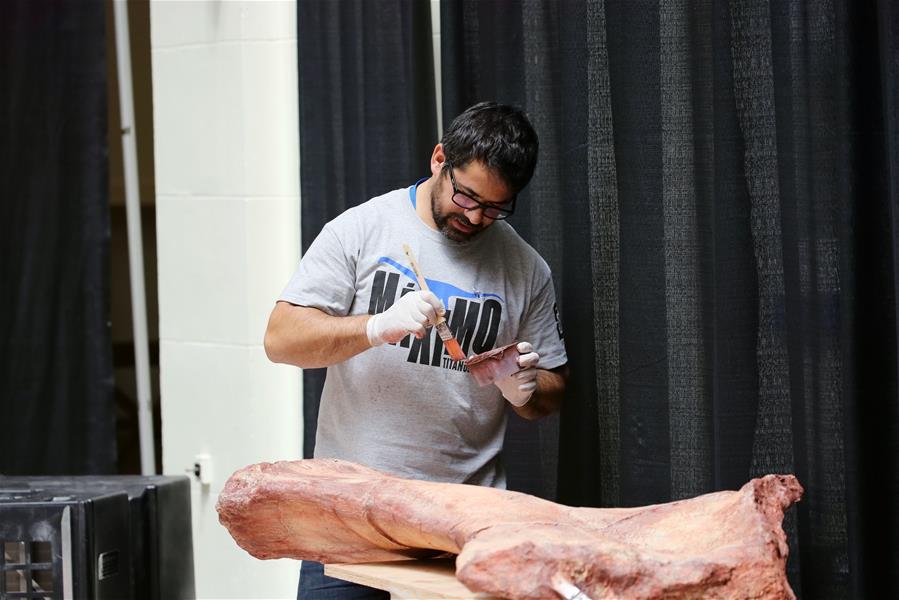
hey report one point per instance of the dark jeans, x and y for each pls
(315, 585)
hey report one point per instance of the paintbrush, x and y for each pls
(443, 330)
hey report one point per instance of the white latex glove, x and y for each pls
(410, 314)
(518, 387)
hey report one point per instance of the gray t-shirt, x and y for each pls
(406, 408)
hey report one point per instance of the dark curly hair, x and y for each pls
(498, 135)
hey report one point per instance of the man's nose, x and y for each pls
(474, 215)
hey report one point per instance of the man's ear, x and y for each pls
(437, 159)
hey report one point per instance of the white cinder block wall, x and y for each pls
(227, 184)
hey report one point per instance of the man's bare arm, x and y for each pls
(548, 396)
(309, 338)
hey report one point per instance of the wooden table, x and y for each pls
(408, 579)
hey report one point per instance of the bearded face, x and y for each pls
(451, 220)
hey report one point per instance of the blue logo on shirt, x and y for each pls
(474, 317)
(441, 289)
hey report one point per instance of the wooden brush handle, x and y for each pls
(421, 278)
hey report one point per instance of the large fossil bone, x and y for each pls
(726, 544)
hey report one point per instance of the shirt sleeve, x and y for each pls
(326, 276)
(543, 328)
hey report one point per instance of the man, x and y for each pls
(393, 399)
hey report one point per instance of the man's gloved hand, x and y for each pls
(410, 314)
(518, 387)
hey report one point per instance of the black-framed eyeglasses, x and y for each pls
(491, 211)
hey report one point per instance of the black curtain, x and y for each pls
(483, 58)
(725, 175)
(56, 387)
(367, 116)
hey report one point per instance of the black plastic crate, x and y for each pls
(106, 536)
(69, 545)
